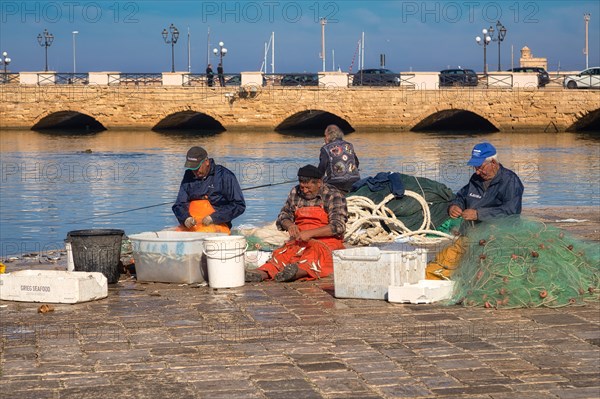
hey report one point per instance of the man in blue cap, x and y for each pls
(493, 191)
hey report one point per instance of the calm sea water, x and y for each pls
(52, 183)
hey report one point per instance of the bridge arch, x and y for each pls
(456, 119)
(590, 122)
(312, 121)
(71, 120)
(187, 119)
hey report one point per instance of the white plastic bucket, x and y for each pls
(225, 261)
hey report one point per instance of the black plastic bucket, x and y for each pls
(97, 250)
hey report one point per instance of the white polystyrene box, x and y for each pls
(425, 291)
(367, 272)
(170, 256)
(53, 286)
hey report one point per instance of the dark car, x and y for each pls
(458, 77)
(543, 77)
(300, 79)
(376, 77)
(236, 80)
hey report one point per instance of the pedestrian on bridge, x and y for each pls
(210, 76)
(220, 75)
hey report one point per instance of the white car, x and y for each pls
(587, 79)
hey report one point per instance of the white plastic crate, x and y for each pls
(53, 286)
(170, 256)
(367, 272)
(425, 291)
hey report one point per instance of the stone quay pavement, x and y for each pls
(293, 340)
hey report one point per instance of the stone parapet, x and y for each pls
(364, 108)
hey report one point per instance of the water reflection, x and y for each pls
(51, 183)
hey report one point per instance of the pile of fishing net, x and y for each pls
(517, 263)
(263, 238)
(407, 209)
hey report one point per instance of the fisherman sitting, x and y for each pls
(493, 191)
(315, 216)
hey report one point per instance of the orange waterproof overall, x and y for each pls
(199, 209)
(313, 256)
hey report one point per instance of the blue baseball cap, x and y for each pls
(480, 152)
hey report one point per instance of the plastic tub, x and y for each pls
(97, 250)
(170, 256)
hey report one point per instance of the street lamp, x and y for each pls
(45, 40)
(74, 68)
(221, 52)
(586, 19)
(174, 36)
(501, 35)
(5, 60)
(484, 42)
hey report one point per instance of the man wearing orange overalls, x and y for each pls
(209, 196)
(315, 216)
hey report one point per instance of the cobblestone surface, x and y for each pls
(292, 340)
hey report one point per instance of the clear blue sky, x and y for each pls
(426, 36)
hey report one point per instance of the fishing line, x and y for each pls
(171, 202)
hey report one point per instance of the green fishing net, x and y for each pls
(407, 209)
(517, 263)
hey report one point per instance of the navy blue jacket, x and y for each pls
(502, 197)
(220, 187)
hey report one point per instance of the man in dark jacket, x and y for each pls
(492, 191)
(338, 161)
(209, 196)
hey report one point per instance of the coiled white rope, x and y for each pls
(365, 219)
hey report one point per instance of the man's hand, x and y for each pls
(454, 211)
(293, 231)
(207, 221)
(469, 214)
(190, 222)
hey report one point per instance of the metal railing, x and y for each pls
(136, 79)
(9, 78)
(202, 79)
(413, 80)
(374, 79)
(71, 78)
(497, 80)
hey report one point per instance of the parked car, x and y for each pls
(458, 77)
(236, 80)
(543, 77)
(376, 77)
(300, 79)
(587, 79)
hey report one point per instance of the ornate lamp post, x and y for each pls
(45, 40)
(501, 35)
(221, 52)
(484, 42)
(5, 60)
(174, 36)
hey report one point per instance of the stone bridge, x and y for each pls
(95, 107)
